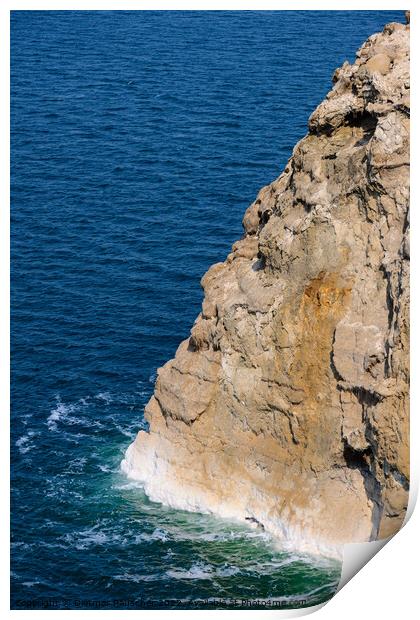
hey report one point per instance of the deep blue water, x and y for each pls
(138, 141)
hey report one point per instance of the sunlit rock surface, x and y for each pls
(288, 405)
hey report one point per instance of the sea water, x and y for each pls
(138, 141)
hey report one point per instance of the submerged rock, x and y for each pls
(288, 406)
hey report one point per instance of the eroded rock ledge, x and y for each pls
(288, 405)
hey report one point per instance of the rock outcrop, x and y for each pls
(288, 405)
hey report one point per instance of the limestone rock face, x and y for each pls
(288, 405)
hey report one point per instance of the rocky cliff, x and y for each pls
(288, 405)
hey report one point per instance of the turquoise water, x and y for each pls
(138, 141)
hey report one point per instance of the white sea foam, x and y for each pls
(152, 473)
(25, 418)
(275, 565)
(60, 492)
(122, 398)
(105, 468)
(196, 571)
(227, 571)
(53, 545)
(157, 534)
(182, 533)
(30, 584)
(201, 571)
(206, 571)
(76, 465)
(54, 417)
(128, 486)
(102, 533)
(153, 377)
(61, 413)
(229, 536)
(138, 578)
(129, 432)
(87, 538)
(24, 443)
(64, 413)
(105, 396)
(95, 538)
(20, 545)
